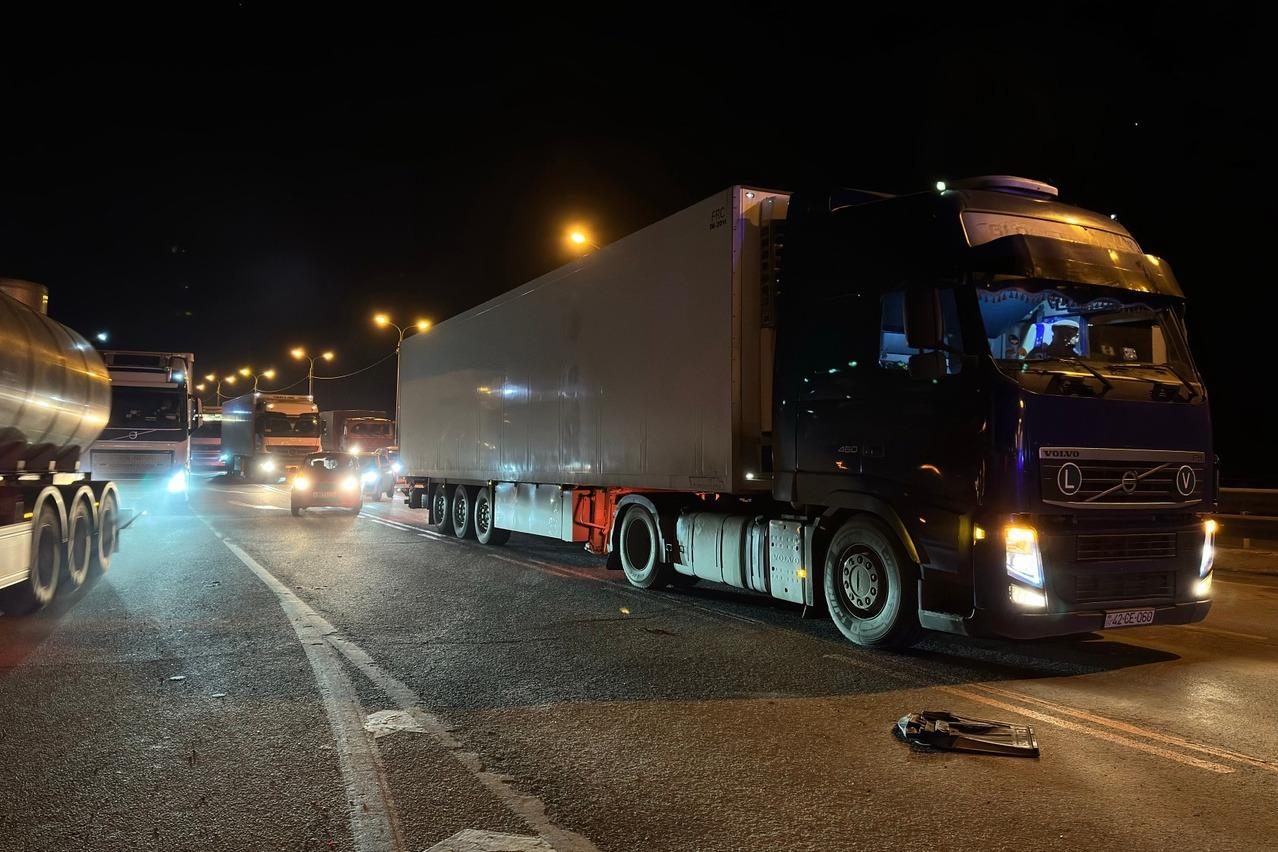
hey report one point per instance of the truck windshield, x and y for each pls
(147, 408)
(293, 425)
(208, 429)
(369, 428)
(1098, 334)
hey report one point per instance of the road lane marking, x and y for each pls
(257, 505)
(1170, 739)
(374, 827)
(1099, 733)
(372, 816)
(1225, 632)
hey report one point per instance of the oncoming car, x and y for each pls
(381, 472)
(327, 479)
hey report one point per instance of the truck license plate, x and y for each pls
(331, 494)
(1129, 618)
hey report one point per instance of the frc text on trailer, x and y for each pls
(923, 411)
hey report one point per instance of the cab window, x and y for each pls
(895, 352)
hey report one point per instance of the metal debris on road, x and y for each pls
(473, 840)
(943, 730)
(178, 677)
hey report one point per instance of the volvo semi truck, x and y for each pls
(58, 525)
(357, 431)
(972, 410)
(146, 444)
(264, 435)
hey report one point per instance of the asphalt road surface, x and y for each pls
(246, 680)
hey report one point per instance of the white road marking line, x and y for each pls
(257, 505)
(471, 840)
(386, 722)
(373, 824)
(1099, 733)
(1170, 739)
(1223, 632)
(319, 638)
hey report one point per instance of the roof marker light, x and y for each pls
(940, 186)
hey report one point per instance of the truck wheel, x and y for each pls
(871, 587)
(485, 532)
(79, 545)
(441, 510)
(640, 547)
(296, 510)
(463, 511)
(46, 566)
(106, 536)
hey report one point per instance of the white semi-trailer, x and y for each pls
(57, 524)
(971, 410)
(266, 434)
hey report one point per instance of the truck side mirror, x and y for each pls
(197, 413)
(923, 318)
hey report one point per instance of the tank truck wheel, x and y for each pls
(46, 566)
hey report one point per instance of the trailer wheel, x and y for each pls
(440, 510)
(46, 566)
(871, 587)
(485, 532)
(106, 537)
(79, 545)
(463, 514)
(640, 547)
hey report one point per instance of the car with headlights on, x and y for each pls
(382, 472)
(327, 479)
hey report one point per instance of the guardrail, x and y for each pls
(1248, 518)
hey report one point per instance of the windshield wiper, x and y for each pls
(1168, 367)
(1074, 362)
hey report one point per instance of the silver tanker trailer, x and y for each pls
(57, 524)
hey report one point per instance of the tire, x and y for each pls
(441, 505)
(639, 546)
(485, 532)
(107, 536)
(79, 556)
(463, 514)
(297, 511)
(871, 587)
(41, 583)
(355, 510)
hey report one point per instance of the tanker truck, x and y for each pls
(58, 525)
(970, 410)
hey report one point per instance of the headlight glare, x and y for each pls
(1209, 548)
(369, 476)
(177, 482)
(350, 483)
(301, 483)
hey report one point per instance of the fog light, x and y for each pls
(1024, 561)
(1029, 598)
(1202, 589)
(177, 482)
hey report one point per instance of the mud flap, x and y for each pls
(941, 729)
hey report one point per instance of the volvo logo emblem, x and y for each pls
(1069, 479)
(1186, 480)
(133, 436)
(1129, 481)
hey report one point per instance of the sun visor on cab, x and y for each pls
(1062, 260)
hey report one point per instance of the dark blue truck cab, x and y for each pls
(992, 390)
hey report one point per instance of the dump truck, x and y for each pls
(970, 410)
(58, 524)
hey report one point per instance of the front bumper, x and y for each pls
(309, 500)
(1043, 625)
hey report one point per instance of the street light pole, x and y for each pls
(300, 354)
(382, 321)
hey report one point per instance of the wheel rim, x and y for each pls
(460, 511)
(441, 505)
(636, 541)
(483, 514)
(862, 584)
(80, 553)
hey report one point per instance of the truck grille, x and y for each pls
(1113, 548)
(1095, 588)
(1099, 478)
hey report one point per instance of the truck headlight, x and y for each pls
(1024, 561)
(397, 467)
(177, 482)
(267, 466)
(350, 483)
(1026, 597)
(1209, 548)
(301, 483)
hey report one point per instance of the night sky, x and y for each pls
(241, 183)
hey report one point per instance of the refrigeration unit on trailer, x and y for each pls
(206, 441)
(970, 410)
(264, 435)
(57, 524)
(147, 442)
